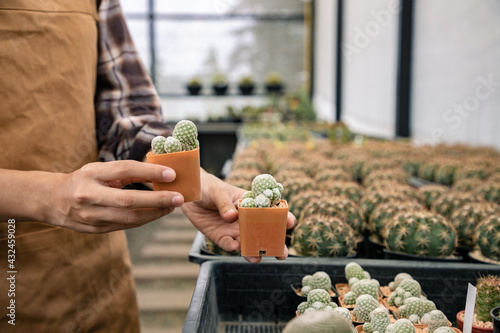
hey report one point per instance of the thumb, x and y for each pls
(226, 207)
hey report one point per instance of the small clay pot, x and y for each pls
(475, 328)
(187, 169)
(263, 230)
(495, 316)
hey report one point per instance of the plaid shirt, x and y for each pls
(128, 111)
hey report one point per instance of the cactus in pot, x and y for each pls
(447, 203)
(379, 320)
(434, 320)
(184, 138)
(365, 304)
(488, 296)
(319, 280)
(266, 192)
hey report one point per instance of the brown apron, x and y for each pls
(66, 281)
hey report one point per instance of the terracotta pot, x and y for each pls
(263, 230)
(187, 169)
(475, 328)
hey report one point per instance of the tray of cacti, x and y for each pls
(180, 151)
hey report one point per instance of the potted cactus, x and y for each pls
(219, 84)
(274, 83)
(262, 218)
(246, 85)
(487, 298)
(194, 86)
(181, 153)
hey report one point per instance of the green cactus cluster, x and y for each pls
(398, 279)
(401, 326)
(365, 304)
(318, 280)
(354, 270)
(406, 288)
(184, 138)
(265, 193)
(488, 296)
(487, 237)
(434, 320)
(379, 320)
(421, 233)
(317, 300)
(323, 236)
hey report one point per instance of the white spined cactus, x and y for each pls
(186, 132)
(172, 145)
(158, 145)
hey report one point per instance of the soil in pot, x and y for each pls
(477, 326)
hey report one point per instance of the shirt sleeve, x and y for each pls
(128, 110)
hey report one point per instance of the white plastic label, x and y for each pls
(469, 308)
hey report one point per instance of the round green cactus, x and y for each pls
(320, 280)
(403, 326)
(411, 286)
(421, 233)
(186, 132)
(432, 192)
(449, 202)
(379, 319)
(349, 298)
(434, 320)
(353, 269)
(158, 145)
(398, 279)
(466, 218)
(384, 213)
(371, 200)
(323, 236)
(319, 295)
(262, 201)
(172, 145)
(248, 203)
(350, 190)
(366, 287)
(487, 237)
(365, 304)
(490, 191)
(412, 305)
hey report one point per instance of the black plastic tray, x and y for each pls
(232, 293)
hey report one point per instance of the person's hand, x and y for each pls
(92, 200)
(216, 215)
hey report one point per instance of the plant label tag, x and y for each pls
(469, 308)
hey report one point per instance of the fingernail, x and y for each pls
(177, 200)
(168, 175)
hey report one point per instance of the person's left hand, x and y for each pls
(216, 215)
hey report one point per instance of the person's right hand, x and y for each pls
(92, 200)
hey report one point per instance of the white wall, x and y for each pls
(325, 29)
(456, 54)
(369, 53)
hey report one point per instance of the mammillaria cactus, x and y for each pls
(365, 304)
(412, 306)
(320, 322)
(432, 192)
(448, 202)
(379, 320)
(466, 218)
(401, 326)
(407, 288)
(398, 279)
(184, 138)
(323, 236)
(354, 270)
(434, 320)
(488, 296)
(488, 237)
(366, 287)
(421, 233)
(319, 280)
(266, 192)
